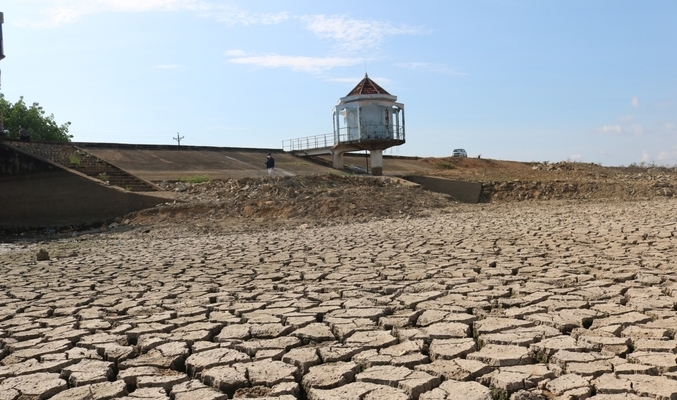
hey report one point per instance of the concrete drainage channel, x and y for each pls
(465, 192)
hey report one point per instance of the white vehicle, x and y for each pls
(459, 153)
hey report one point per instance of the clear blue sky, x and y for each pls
(584, 80)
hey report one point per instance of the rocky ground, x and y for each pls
(311, 199)
(519, 181)
(325, 199)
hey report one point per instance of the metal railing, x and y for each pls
(309, 143)
(329, 140)
(370, 134)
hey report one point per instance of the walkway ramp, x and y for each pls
(157, 163)
(326, 144)
(318, 145)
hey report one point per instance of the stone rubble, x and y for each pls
(505, 301)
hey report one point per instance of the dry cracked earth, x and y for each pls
(563, 300)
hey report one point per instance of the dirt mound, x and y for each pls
(312, 198)
(334, 198)
(518, 181)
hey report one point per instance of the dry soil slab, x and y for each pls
(531, 300)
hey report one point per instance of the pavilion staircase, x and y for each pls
(74, 158)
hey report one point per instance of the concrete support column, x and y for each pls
(337, 159)
(334, 123)
(376, 158)
(337, 127)
(359, 124)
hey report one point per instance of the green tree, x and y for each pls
(33, 118)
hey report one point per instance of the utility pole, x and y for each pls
(2, 50)
(177, 138)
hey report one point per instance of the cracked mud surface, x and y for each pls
(500, 301)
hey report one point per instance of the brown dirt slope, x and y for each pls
(333, 197)
(512, 180)
(312, 198)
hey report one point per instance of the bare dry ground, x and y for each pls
(368, 288)
(331, 198)
(512, 180)
(311, 199)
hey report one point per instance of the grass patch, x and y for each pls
(103, 176)
(74, 161)
(292, 163)
(195, 179)
(498, 394)
(445, 165)
(542, 356)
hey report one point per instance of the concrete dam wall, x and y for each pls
(36, 193)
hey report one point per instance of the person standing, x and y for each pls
(23, 134)
(270, 164)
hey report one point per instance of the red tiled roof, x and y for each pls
(367, 86)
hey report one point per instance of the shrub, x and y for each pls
(195, 179)
(445, 165)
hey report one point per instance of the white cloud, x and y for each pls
(167, 66)
(637, 129)
(423, 66)
(313, 65)
(645, 157)
(664, 105)
(627, 118)
(63, 12)
(668, 157)
(635, 102)
(355, 80)
(575, 158)
(145, 5)
(355, 34)
(240, 17)
(350, 34)
(236, 53)
(610, 129)
(344, 80)
(669, 126)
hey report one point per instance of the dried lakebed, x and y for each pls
(520, 301)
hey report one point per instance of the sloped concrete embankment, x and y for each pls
(71, 157)
(35, 193)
